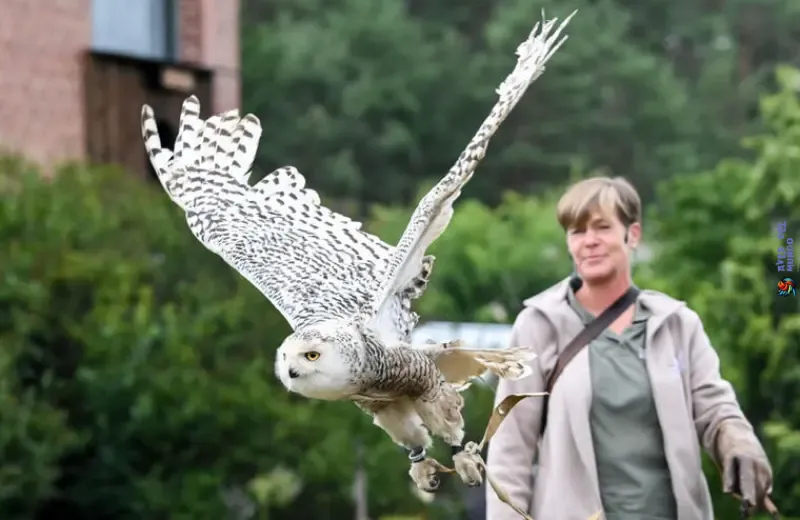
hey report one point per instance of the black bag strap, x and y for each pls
(590, 332)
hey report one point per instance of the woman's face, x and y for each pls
(599, 248)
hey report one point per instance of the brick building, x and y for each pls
(74, 73)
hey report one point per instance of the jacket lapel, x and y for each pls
(573, 393)
(578, 400)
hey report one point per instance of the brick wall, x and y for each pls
(190, 31)
(221, 51)
(209, 36)
(41, 72)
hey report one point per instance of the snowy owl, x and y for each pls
(346, 294)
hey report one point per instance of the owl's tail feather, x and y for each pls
(224, 143)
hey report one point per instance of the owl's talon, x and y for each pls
(423, 473)
(468, 465)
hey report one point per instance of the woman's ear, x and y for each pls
(633, 235)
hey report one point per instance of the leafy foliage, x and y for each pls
(369, 98)
(368, 93)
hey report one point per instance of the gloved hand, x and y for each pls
(745, 469)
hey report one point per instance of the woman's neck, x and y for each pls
(599, 296)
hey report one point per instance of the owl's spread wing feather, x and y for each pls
(460, 365)
(313, 264)
(435, 210)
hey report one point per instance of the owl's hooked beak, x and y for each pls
(293, 374)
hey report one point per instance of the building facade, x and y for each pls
(74, 73)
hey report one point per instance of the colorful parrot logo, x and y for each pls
(786, 287)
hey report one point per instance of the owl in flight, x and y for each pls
(346, 294)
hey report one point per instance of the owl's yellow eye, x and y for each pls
(312, 356)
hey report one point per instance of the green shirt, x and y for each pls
(632, 469)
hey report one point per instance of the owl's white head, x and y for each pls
(321, 362)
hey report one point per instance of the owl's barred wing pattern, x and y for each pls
(435, 210)
(313, 264)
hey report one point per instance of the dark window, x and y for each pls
(145, 29)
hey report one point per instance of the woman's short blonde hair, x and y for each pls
(603, 195)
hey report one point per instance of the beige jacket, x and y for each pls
(690, 396)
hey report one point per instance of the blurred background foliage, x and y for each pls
(136, 367)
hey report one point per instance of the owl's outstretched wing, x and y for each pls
(311, 263)
(435, 210)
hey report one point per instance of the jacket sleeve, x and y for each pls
(713, 398)
(513, 448)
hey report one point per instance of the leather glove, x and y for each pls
(745, 469)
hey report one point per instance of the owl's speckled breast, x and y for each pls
(401, 372)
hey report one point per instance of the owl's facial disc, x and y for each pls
(313, 368)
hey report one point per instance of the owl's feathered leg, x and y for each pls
(440, 410)
(400, 421)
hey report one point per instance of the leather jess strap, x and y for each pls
(589, 333)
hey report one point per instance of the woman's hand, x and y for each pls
(746, 472)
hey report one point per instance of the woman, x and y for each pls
(626, 414)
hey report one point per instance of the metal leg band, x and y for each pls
(416, 454)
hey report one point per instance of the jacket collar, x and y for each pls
(552, 302)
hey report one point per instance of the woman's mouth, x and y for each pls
(594, 259)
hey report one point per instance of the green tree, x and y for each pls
(367, 99)
(33, 439)
(359, 96)
(604, 102)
